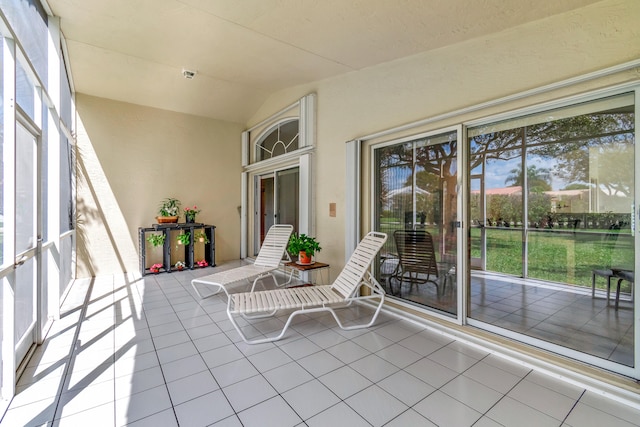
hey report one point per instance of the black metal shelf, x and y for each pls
(209, 248)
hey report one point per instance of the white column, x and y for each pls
(51, 283)
(352, 198)
(8, 379)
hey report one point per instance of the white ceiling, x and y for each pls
(244, 50)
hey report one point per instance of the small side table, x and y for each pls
(303, 268)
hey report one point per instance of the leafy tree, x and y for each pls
(568, 141)
(576, 186)
(538, 180)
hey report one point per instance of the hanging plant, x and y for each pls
(156, 239)
(201, 236)
(184, 238)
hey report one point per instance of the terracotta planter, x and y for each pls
(303, 258)
(166, 219)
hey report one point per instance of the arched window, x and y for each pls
(281, 139)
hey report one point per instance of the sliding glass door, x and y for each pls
(552, 199)
(415, 203)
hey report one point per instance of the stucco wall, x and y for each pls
(130, 158)
(572, 44)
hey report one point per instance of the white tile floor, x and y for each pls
(147, 352)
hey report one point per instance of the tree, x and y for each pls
(538, 180)
(576, 186)
(569, 141)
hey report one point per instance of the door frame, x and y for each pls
(257, 200)
(461, 244)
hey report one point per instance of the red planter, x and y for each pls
(303, 258)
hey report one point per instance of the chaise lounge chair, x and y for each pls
(268, 260)
(343, 292)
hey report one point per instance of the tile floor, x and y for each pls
(147, 352)
(559, 314)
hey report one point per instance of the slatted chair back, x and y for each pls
(274, 246)
(416, 252)
(349, 280)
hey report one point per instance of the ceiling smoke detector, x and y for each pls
(188, 74)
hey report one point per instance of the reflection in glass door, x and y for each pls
(554, 196)
(279, 202)
(267, 210)
(26, 242)
(287, 197)
(416, 205)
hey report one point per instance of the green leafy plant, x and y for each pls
(184, 238)
(302, 243)
(169, 207)
(201, 236)
(156, 239)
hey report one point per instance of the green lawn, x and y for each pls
(555, 256)
(563, 257)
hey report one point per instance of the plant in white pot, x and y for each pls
(303, 246)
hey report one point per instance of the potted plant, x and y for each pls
(201, 236)
(184, 238)
(202, 263)
(190, 214)
(303, 246)
(180, 265)
(156, 239)
(155, 268)
(168, 210)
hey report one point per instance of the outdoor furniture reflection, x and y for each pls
(610, 273)
(623, 275)
(416, 260)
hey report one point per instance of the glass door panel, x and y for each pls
(25, 309)
(477, 231)
(267, 208)
(417, 207)
(26, 240)
(279, 201)
(287, 197)
(559, 191)
(503, 223)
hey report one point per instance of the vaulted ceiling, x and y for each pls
(244, 50)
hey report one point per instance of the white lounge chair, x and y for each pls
(268, 259)
(343, 292)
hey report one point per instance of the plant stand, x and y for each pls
(209, 248)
